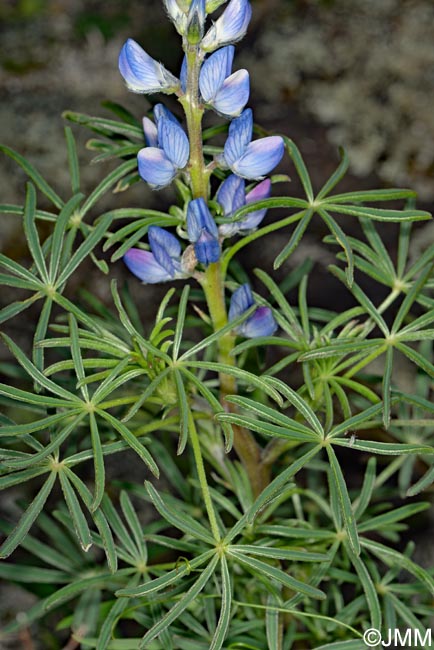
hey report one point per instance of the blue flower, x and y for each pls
(168, 149)
(230, 27)
(260, 323)
(227, 93)
(232, 196)
(251, 160)
(160, 265)
(203, 232)
(142, 73)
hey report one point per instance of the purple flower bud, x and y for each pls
(227, 93)
(251, 160)
(230, 27)
(260, 323)
(168, 149)
(142, 73)
(203, 232)
(163, 263)
(232, 196)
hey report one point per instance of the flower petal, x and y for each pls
(233, 95)
(241, 300)
(259, 158)
(253, 219)
(207, 248)
(150, 131)
(214, 71)
(183, 75)
(155, 168)
(174, 142)
(240, 134)
(144, 265)
(160, 111)
(231, 194)
(261, 323)
(142, 73)
(165, 248)
(230, 27)
(198, 219)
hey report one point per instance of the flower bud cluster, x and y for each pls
(168, 151)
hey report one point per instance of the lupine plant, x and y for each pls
(263, 446)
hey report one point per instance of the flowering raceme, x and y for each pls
(232, 196)
(260, 323)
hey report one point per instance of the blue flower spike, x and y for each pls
(230, 27)
(251, 160)
(142, 73)
(162, 263)
(232, 196)
(168, 149)
(225, 92)
(260, 323)
(202, 232)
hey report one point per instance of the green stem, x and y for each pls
(194, 438)
(245, 444)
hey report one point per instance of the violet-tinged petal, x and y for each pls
(198, 219)
(150, 131)
(230, 27)
(155, 168)
(259, 158)
(174, 142)
(214, 72)
(260, 323)
(142, 73)
(231, 194)
(240, 134)
(183, 75)
(207, 248)
(233, 95)
(241, 300)
(165, 247)
(196, 21)
(144, 265)
(178, 17)
(160, 111)
(253, 219)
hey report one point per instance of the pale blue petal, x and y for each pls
(165, 247)
(144, 265)
(198, 219)
(253, 219)
(240, 134)
(155, 168)
(241, 300)
(259, 159)
(261, 323)
(150, 131)
(233, 95)
(230, 27)
(214, 71)
(141, 72)
(174, 142)
(231, 194)
(160, 111)
(207, 248)
(183, 75)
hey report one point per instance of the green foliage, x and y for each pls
(312, 556)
